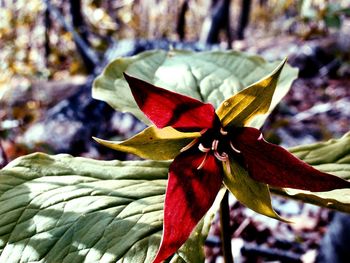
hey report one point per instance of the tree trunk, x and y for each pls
(80, 27)
(47, 23)
(181, 22)
(244, 18)
(219, 19)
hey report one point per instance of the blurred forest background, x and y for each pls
(50, 52)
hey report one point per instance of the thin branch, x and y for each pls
(84, 47)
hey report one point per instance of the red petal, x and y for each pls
(189, 195)
(273, 165)
(167, 108)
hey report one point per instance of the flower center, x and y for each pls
(217, 143)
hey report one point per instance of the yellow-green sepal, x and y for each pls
(153, 143)
(240, 109)
(249, 192)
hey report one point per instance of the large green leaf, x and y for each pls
(65, 209)
(331, 157)
(335, 152)
(208, 76)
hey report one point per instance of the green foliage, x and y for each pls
(208, 76)
(330, 13)
(66, 209)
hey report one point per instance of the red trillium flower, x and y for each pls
(204, 145)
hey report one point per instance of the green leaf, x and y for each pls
(153, 143)
(333, 20)
(345, 11)
(327, 154)
(332, 157)
(208, 76)
(249, 192)
(255, 100)
(65, 209)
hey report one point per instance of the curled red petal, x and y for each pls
(189, 195)
(273, 165)
(167, 108)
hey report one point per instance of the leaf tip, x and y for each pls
(97, 139)
(109, 144)
(128, 78)
(126, 75)
(277, 71)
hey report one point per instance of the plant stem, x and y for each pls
(225, 229)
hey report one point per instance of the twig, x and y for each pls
(241, 227)
(225, 229)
